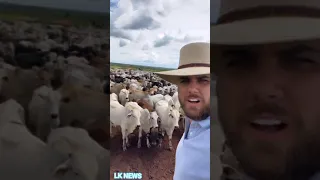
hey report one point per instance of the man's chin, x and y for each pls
(263, 164)
(196, 113)
(196, 116)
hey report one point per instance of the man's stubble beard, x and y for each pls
(302, 160)
(202, 115)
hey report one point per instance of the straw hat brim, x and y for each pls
(265, 30)
(173, 76)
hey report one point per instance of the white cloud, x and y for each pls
(123, 42)
(151, 32)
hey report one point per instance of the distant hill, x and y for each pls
(143, 68)
(9, 11)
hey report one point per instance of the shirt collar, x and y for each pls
(315, 177)
(204, 123)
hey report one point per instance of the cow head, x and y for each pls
(154, 128)
(125, 93)
(53, 98)
(174, 116)
(133, 116)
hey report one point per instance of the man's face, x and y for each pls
(194, 96)
(269, 107)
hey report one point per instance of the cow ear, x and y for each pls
(17, 70)
(43, 94)
(130, 113)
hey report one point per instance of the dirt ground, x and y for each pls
(154, 163)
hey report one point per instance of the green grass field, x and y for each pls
(136, 67)
(11, 12)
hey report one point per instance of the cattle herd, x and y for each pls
(54, 94)
(54, 109)
(141, 100)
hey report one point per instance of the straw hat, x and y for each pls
(266, 21)
(194, 60)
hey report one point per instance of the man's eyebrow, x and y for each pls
(204, 76)
(301, 48)
(186, 77)
(242, 51)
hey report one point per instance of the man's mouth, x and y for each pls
(194, 100)
(268, 124)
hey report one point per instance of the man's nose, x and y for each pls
(193, 87)
(54, 116)
(268, 85)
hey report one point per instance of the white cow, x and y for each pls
(77, 60)
(167, 97)
(22, 155)
(149, 122)
(133, 86)
(3, 76)
(124, 96)
(155, 98)
(131, 122)
(169, 117)
(127, 117)
(44, 110)
(113, 97)
(175, 99)
(84, 153)
(117, 111)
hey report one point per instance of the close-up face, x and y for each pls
(194, 96)
(269, 106)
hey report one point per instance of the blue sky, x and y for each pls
(84, 5)
(151, 32)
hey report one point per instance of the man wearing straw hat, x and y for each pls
(267, 63)
(193, 80)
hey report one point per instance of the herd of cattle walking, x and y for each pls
(142, 100)
(53, 100)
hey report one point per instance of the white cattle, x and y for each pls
(60, 63)
(84, 153)
(82, 106)
(44, 110)
(155, 98)
(167, 97)
(161, 90)
(97, 85)
(130, 122)
(169, 117)
(113, 97)
(7, 66)
(133, 86)
(78, 73)
(117, 111)
(176, 101)
(149, 121)
(124, 96)
(112, 84)
(3, 77)
(22, 155)
(77, 60)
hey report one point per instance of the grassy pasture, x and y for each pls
(137, 67)
(12, 12)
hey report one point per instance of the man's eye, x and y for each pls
(184, 81)
(240, 63)
(303, 60)
(204, 80)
